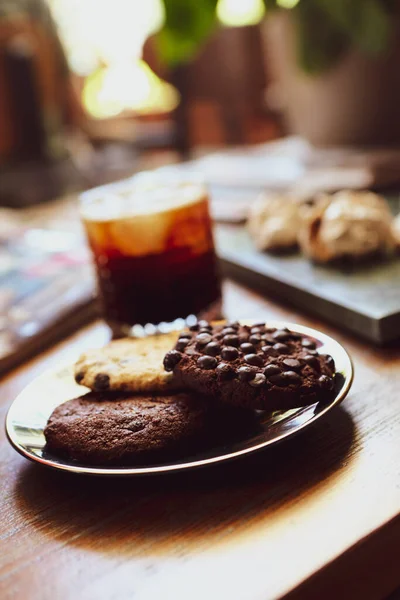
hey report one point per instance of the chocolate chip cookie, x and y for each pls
(255, 366)
(96, 429)
(128, 365)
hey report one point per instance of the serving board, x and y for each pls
(364, 299)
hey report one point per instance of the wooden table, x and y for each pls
(317, 517)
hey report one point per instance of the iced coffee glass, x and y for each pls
(152, 244)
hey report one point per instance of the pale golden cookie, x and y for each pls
(131, 365)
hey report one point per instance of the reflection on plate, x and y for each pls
(29, 412)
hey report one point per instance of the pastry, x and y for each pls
(96, 429)
(130, 365)
(274, 221)
(396, 230)
(254, 367)
(347, 224)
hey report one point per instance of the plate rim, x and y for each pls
(220, 458)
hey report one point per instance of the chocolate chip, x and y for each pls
(307, 343)
(314, 352)
(225, 371)
(203, 330)
(212, 349)
(171, 359)
(258, 380)
(79, 376)
(229, 353)
(243, 337)
(254, 359)
(194, 327)
(270, 329)
(292, 377)
(281, 348)
(203, 338)
(228, 330)
(261, 325)
(207, 362)
(295, 336)
(247, 348)
(267, 340)
(326, 382)
(271, 370)
(256, 330)
(281, 335)
(330, 363)
(101, 382)
(286, 378)
(231, 340)
(292, 363)
(234, 324)
(255, 338)
(246, 373)
(312, 361)
(185, 336)
(278, 379)
(269, 351)
(204, 325)
(181, 344)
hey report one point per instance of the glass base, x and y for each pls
(119, 330)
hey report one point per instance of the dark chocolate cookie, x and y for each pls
(252, 366)
(96, 429)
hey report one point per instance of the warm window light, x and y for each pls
(287, 3)
(96, 32)
(127, 86)
(104, 42)
(238, 13)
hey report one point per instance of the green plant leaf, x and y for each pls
(270, 5)
(325, 29)
(366, 22)
(320, 42)
(188, 23)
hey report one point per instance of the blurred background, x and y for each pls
(92, 91)
(88, 86)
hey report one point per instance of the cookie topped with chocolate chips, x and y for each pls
(256, 366)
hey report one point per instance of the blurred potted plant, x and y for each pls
(335, 62)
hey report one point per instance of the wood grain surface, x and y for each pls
(316, 517)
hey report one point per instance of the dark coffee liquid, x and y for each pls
(155, 267)
(157, 287)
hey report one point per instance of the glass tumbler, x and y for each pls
(152, 244)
